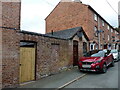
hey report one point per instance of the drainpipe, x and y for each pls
(99, 33)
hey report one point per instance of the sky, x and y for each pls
(34, 12)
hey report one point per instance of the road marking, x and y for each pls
(70, 82)
(25, 83)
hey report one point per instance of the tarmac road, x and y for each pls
(89, 79)
(95, 80)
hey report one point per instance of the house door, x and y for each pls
(27, 64)
(75, 53)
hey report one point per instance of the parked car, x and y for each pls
(90, 53)
(116, 54)
(106, 51)
(96, 62)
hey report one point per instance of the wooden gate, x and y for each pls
(27, 64)
(75, 53)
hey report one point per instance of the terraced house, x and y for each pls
(73, 13)
(119, 22)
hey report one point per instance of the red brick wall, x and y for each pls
(67, 15)
(11, 14)
(10, 58)
(90, 26)
(46, 62)
(10, 18)
(0, 58)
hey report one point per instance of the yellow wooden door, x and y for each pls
(27, 64)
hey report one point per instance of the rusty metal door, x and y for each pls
(75, 53)
(27, 64)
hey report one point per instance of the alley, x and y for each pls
(95, 80)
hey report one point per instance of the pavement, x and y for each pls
(56, 81)
(73, 78)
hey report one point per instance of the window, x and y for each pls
(84, 47)
(108, 27)
(103, 36)
(103, 24)
(111, 30)
(91, 47)
(95, 17)
(108, 37)
(95, 30)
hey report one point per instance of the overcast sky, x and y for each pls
(34, 12)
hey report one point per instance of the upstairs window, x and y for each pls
(96, 31)
(103, 36)
(95, 17)
(108, 37)
(111, 30)
(103, 24)
(108, 27)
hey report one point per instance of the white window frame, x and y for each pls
(108, 37)
(104, 35)
(95, 30)
(93, 45)
(108, 27)
(95, 17)
(103, 23)
(111, 30)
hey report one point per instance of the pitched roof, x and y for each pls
(88, 7)
(68, 33)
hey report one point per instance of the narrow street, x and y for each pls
(95, 80)
(89, 80)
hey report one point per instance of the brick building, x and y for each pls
(69, 14)
(27, 56)
(119, 14)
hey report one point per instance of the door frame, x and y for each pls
(75, 43)
(34, 46)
